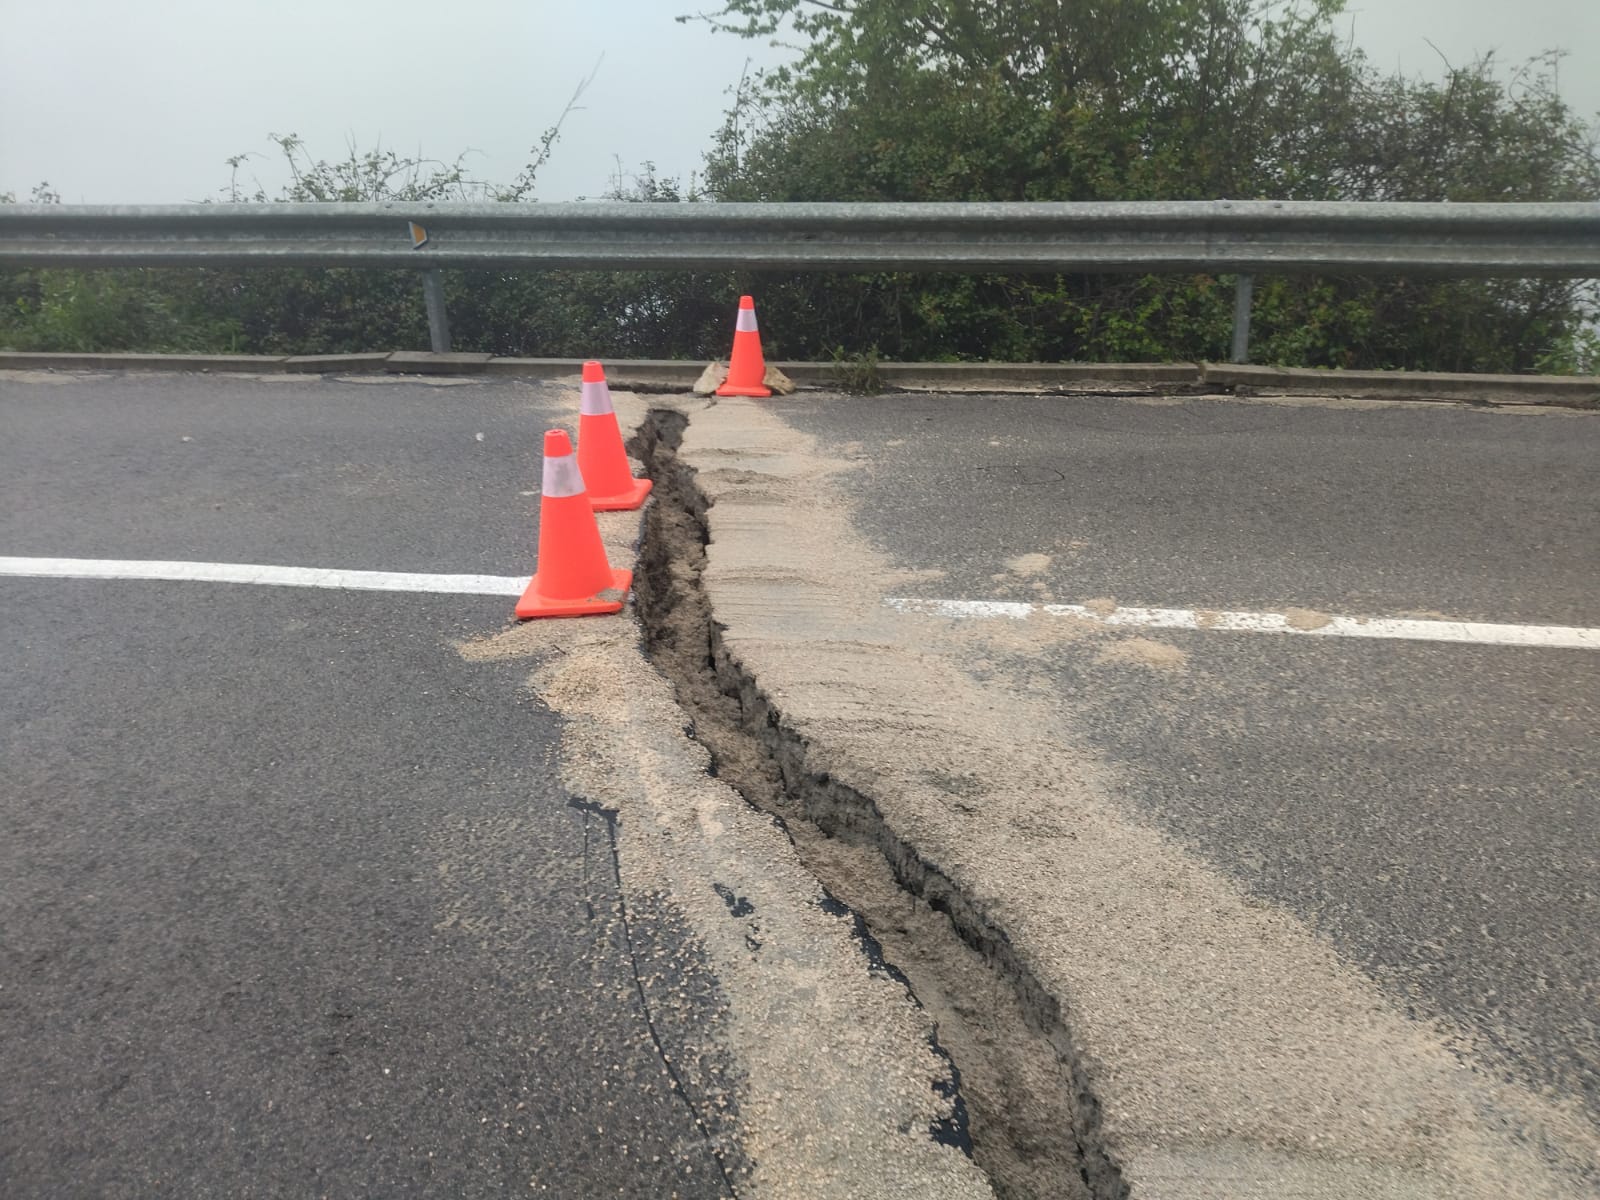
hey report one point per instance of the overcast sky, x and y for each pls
(141, 101)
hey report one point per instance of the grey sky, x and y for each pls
(114, 101)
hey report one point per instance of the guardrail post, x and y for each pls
(1244, 288)
(438, 319)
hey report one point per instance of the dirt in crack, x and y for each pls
(1030, 1114)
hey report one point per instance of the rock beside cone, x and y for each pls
(710, 379)
(716, 374)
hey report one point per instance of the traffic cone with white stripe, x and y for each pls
(573, 575)
(601, 457)
(747, 368)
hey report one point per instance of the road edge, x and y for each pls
(655, 375)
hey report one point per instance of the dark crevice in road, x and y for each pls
(1034, 1123)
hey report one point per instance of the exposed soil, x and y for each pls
(1143, 652)
(1027, 1110)
(1234, 1052)
(1306, 619)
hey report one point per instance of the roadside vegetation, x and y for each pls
(957, 100)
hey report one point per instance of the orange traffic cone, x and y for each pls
(601, 458)
(747, 368)
(573, 571)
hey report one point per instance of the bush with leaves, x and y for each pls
(944, 100)
(919, 100)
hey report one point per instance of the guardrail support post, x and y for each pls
(1244, 288)
(438, 319)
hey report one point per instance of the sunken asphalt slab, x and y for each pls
(1430, 809)
(1363, 507)
(293, 906)
(377, 474)
(292, 903)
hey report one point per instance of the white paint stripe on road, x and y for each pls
(321, 577)
(1483, 633)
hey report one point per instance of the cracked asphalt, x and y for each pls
(292, 902)
(1431, 810)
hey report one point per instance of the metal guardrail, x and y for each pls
(1242, 238)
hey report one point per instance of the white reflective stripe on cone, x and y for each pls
(747, 321)
(562, 477)
(596, 400)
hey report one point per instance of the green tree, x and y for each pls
(916, 100)
(919, 100)
(1038, 100)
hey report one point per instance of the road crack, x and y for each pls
(1032, 1119)
(589, 809)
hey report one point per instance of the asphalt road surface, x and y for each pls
(291, 902)
(1433, 809)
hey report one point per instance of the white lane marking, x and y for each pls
(1483, 633)
(321, 577)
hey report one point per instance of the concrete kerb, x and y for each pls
(342, 364)
(670, 375)
(423, 362)
(637, 374)
(1575, 391)
(26, 360)
(965, 376)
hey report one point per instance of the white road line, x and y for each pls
(1481, 633)
(320, 577)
